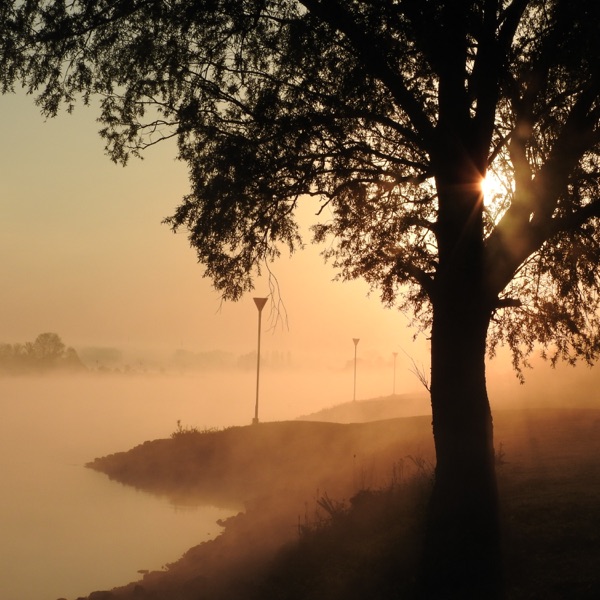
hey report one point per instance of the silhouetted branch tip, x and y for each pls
(508, 303)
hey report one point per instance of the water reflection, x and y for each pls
(67, 530)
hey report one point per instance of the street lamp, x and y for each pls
(260, 304)
(355, 340)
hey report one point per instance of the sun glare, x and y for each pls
(492, 189)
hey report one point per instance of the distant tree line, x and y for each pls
(47, 353)
(185, 360)
(275, 359)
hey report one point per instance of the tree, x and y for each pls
(45, 353)
(47, 350)
(390, 113)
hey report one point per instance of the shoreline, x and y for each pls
(269, 469)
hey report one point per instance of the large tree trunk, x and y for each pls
(462, 556)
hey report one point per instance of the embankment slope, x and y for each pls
(549, 476)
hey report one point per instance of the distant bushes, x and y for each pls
(47, 353)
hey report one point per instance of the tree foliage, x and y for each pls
(46, 352)
(375, 108)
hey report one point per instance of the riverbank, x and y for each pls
(288, 475)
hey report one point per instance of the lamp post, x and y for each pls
(260, 304)
(395, 354)
(355, 340)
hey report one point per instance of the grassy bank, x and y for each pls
(307, 531)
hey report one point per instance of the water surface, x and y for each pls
(67, 530)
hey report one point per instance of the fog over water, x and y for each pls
(67, 530)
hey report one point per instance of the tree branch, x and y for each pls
(486, 78)
(574, 220)
(418, 275)
(510, 18)
(508, 303)
(369, 51)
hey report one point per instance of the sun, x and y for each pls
(493, 189)
(497, 188)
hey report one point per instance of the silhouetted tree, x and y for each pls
(390, 113)
(47, 352)
(72, 361)
(47, 349)
(16, 358)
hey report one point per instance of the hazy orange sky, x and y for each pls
(86, 256)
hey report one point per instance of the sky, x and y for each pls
(85, 255)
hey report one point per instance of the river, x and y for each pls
(67, 530)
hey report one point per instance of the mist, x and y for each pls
(90, 533)
(55, 423)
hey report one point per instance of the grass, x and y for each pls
(365, 548)
(552, 533)
(190, 430)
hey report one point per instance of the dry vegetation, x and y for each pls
(335, 511)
